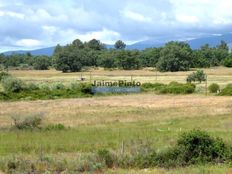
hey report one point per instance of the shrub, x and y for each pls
(12, 84)
(89, 164)
(168, 158)
(55, 127)
(227, 91)
(85, 88)
(74, 86)
(178, 88)
(105, 156)
(152, 86)
(145, 160)
(199, 76)
(3, 74)
(44, 86)
(228, 62)
(171, 88)
(199, 147)
(214, 88)
(58, 86)
(29, 123)
(194, 147)
(32, 86)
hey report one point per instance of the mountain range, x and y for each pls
(194, 43)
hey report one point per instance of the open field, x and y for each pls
(110, 121)
(220, 75)
(106, 122)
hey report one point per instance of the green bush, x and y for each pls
(171, 88)
(145, 160)
(32, 86)
(194, 147)
(178, 88)
(152, 86)
(3, 74)
(44, 86)
(58, 86)
(12, 84)
(86, 88)
(228, 62)
(29, 123)
(105, 156)
(74, 86)
(198, 146)
(214, 88)
(168, 158)
(227, 91)
(198, 76)
(56, 127)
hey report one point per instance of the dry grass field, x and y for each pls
(220, 75)
(122, 109)
(107, 121)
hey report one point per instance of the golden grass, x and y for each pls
(123, 108)
(219, 75)
(187, 170)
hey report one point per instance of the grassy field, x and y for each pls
(220, 75)
(108, 122)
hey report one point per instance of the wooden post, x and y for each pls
(90, 77)
(206, 85)
(122, 148)
(41, 153)
(156, 74)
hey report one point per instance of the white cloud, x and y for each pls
(135, 16)
(187, 18)
(104, 35)
(49, 29)
(28, 43)
(12, 14)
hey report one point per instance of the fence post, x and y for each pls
(206, 85)
(90, 78)
(122, 148)
(156, 74)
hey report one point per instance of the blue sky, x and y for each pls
(30, 24)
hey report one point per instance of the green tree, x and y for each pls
(150, 56)
(42, 63)
(107, 59)
(95, 45)
(175, 56)
(228, 62)
(119, 45)
(128, 59)
(199, 61)
(199, 76)
(69, 61)
(78, 44)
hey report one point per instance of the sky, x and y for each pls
(31, 24)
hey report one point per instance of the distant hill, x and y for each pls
(43, 51)
(194, 43)
(212, 41)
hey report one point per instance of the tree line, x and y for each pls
(174, 56)
(25, 61)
